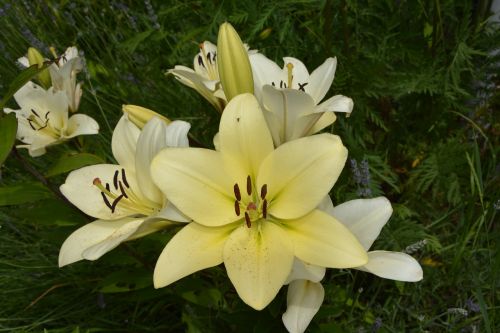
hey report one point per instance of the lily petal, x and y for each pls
(321, 79)
(300, 173)
(321, 240)
(124, 142)
(264, 71)
(102, 235)
(194, 248)
(393, 265)
(80, 190)
(258, 261)
(305, 271)
(81, 124)
(151, 140)
(188, 176)
(299, 72)
(244, 137)
(337, 103)
(326, 119)
(365, 218)
(304, 298)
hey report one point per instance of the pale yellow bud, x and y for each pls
(36, 58)
(140, 116)
(235, 72)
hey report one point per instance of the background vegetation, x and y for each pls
(424, 80)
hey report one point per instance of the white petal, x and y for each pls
(172, 213)
(258, 261)
(81, 124)
(124, 142)
(264, 71)
(326, 205)
(304, 271)
(177, 134)
(23, 61)
(337, 103)
(321, 79)
(393, 265)
(81, 192)
(364, 218)
(194, 248)
(151, 140)
(104, 235)
(304, 298)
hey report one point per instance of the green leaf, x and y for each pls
(23, 193)
(23, 77)
(132, 43)
(125, 281)
(8, 130)
(52, 212)
(68, 163)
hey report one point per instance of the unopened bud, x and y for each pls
(234, 67)
(36, 58)
(140, 116)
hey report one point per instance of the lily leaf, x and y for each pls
(23, 193)
(68, 163)
(8, 130)
(23, 77)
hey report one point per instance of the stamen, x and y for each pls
(289, 66)
(117, 200)
(108, 188)
(301, 86)
(31, 125)
(263, 191)
(115, 179)
(47, 116)
(122, 190)
(264, 209)
(200, 61)
(237, 193)
(125, 182)
(247, 220)
(34, 112)
(237, 208)
(106, 201)
(249, 185)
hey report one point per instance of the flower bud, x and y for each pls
(36, 58)
(140, 116)
(235, 72)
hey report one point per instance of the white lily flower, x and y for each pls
(63, 75)
(205, 76)
(43, 119)
(365, 218)
(122, 196)
(253, 206)
(292, 97)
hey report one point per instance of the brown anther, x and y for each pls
(247, 220)
(124, 178)
(249, 185)
(264, 209)
(96, 181)
(237, 208)
(115, 179)
(263, 191)
(237, 193)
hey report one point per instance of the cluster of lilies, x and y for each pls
(258, 203)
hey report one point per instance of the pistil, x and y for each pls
(289, 67)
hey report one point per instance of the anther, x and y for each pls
(237, 193)
(115, 179)
(117, 200)
(263, 191)
(122, 190)
(247, 220)
(237, 208)
(249, 185)
(301, 86)
(106, 201)
(34, 112)
(124, 178)
(264, 209)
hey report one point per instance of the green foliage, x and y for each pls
(422, 76)
(8, 129)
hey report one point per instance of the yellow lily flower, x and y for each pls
(253, 207)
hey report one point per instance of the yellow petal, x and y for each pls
(243, 135)
(321, 240)
(258, 260)
(300, 173)
(193, 248)
(195, 181)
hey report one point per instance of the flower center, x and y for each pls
(41, 123)
(123, 195)
(208, 60)
(288, 84)
(254, 207)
